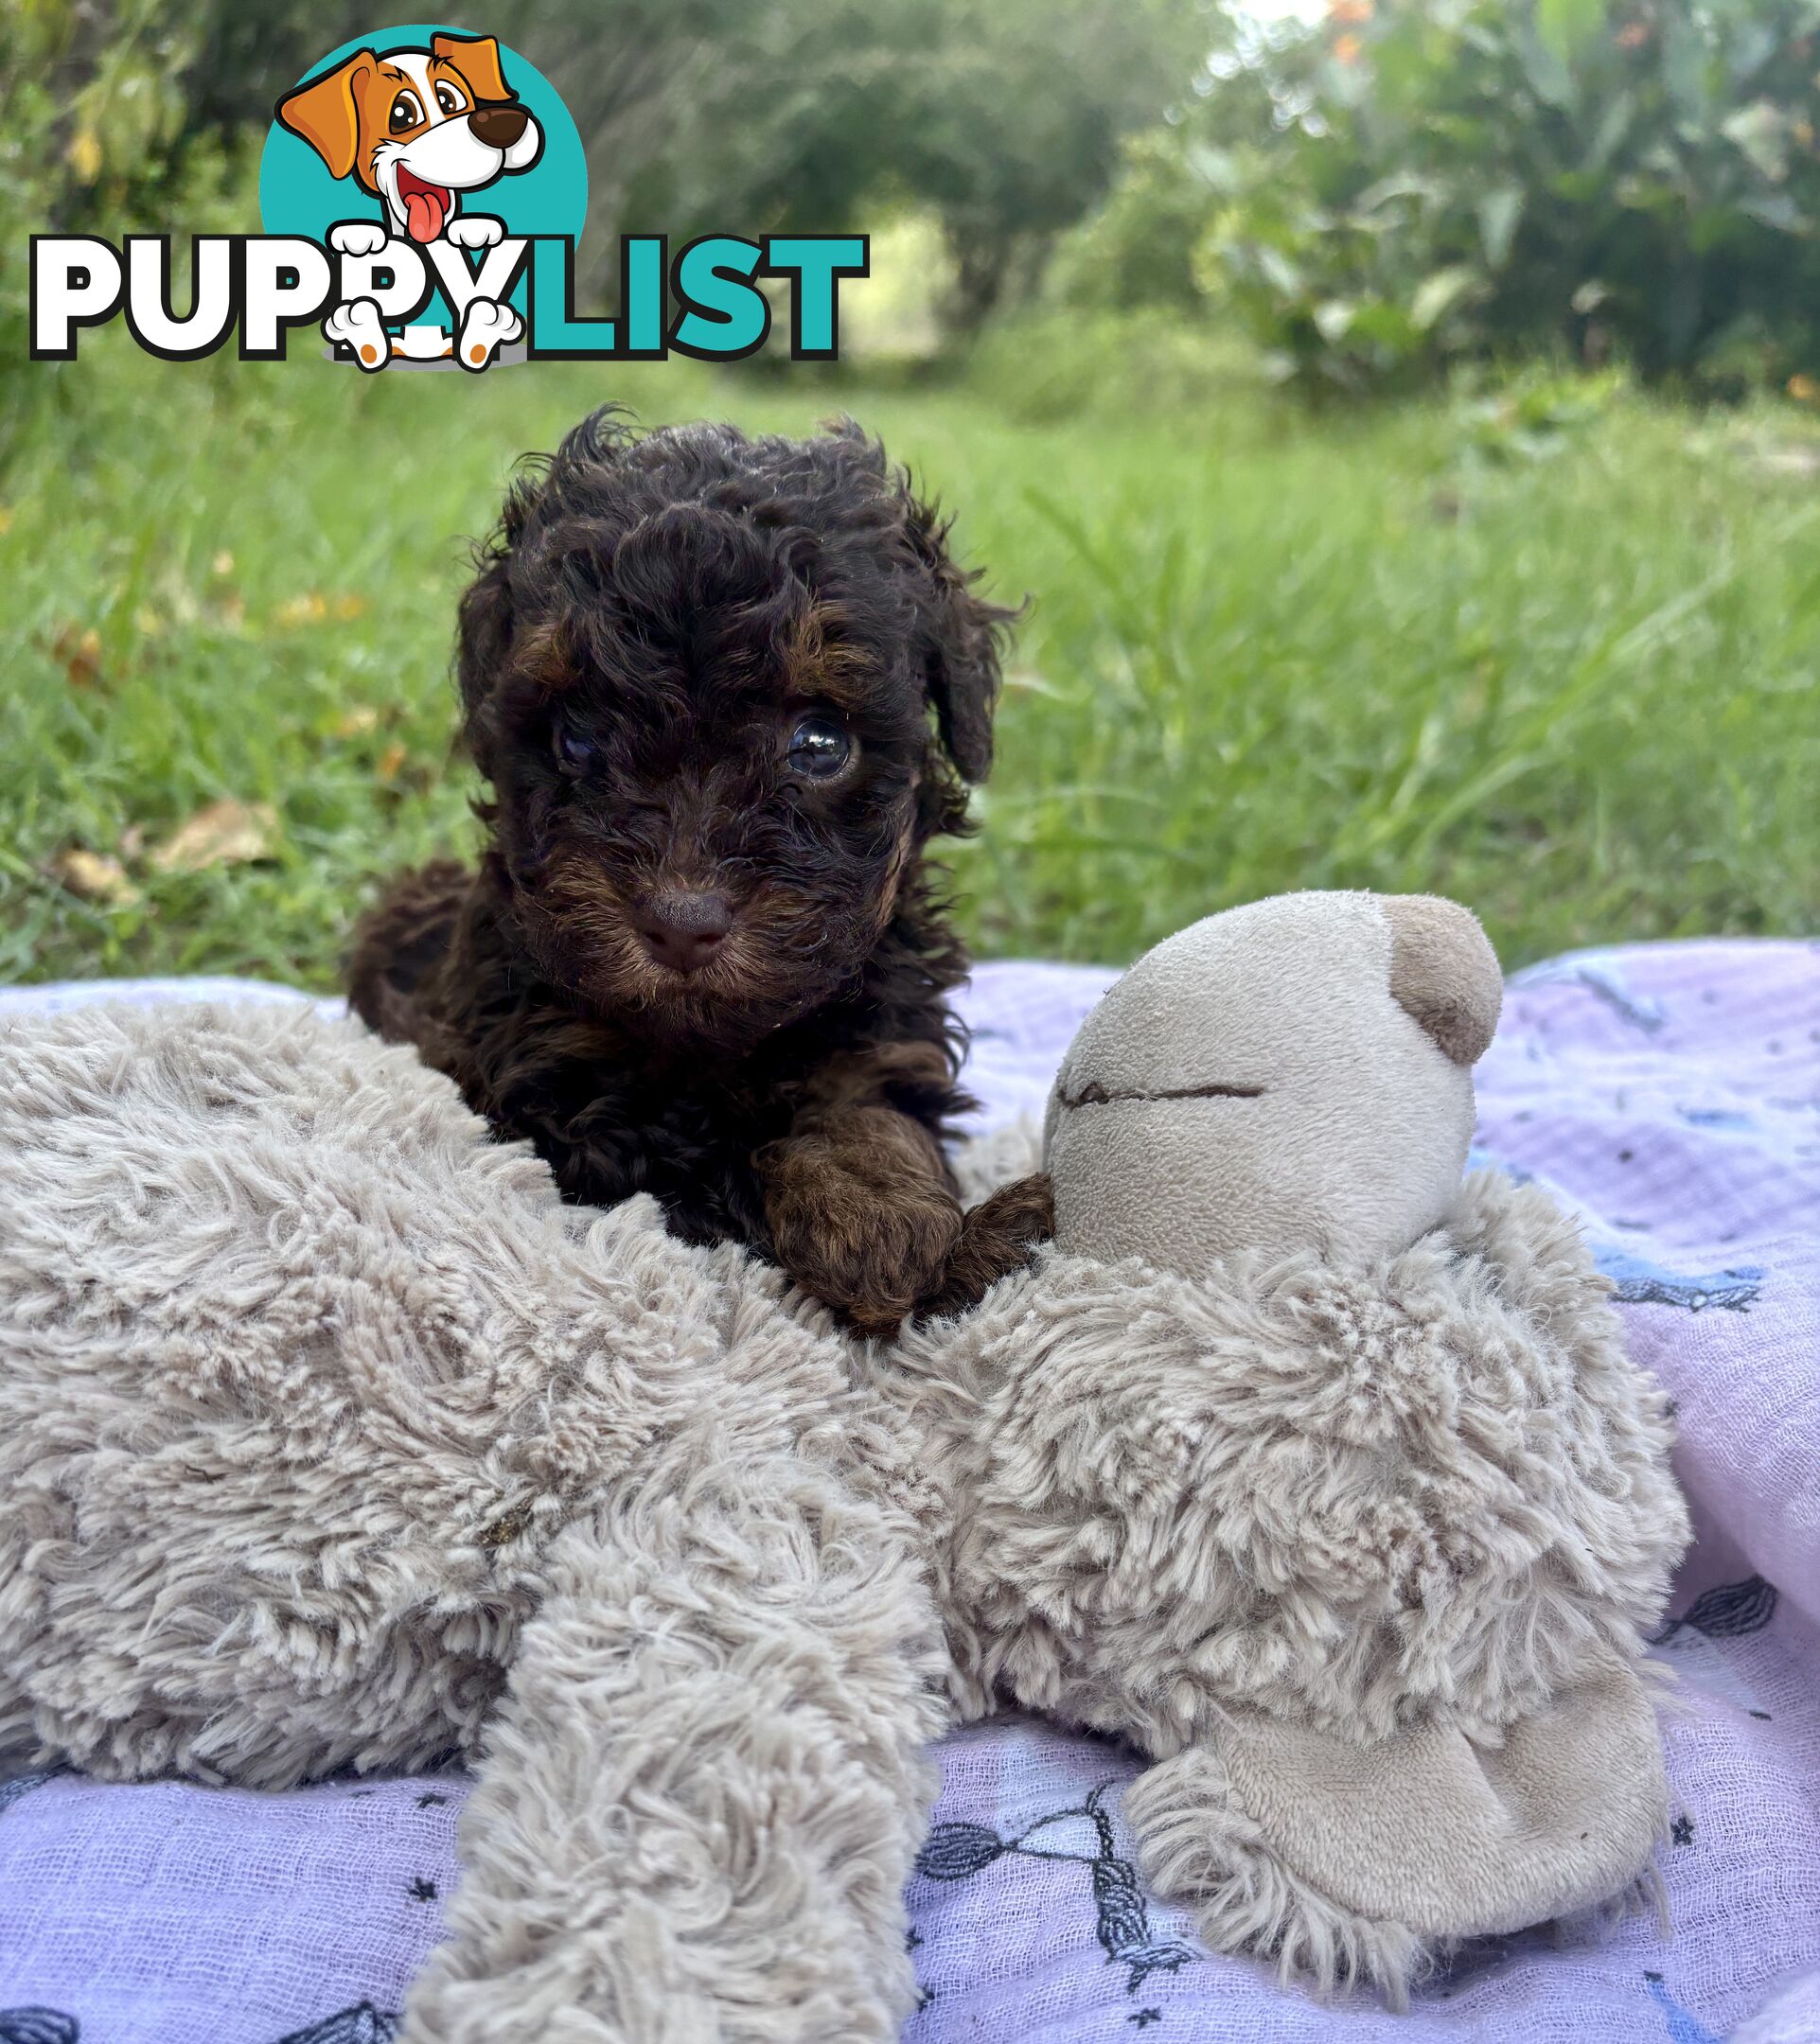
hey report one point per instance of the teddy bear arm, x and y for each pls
(710, 1754)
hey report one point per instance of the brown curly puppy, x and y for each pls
(725, 689)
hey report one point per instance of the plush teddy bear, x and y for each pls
(1313, 1472)
(329, 1437)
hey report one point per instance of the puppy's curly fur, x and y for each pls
(744, 676)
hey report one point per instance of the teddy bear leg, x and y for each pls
(1356, 1860)
(1197, 1845)
(700, 1799)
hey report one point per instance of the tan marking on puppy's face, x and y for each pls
(399, 103)
(819, 666)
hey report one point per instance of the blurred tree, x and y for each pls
(1003, 119)
(1013, 132)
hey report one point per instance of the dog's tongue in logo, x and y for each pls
(426, 206)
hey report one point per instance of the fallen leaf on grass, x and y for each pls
(314, 607)
(310, 609)
(224, 563)
(355, 722)
(6, 519)
(83, 155)
(225, 833)
(391, 760)
(95, 877)
(80, 651)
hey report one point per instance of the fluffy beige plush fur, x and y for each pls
(1341, 1548)
(1319, 1475)
(1343, 1495)
(329, 1437)
(320, 1415)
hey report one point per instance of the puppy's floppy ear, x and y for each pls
(323, 111)
(962, 649)
(477, 59)
(484, 635)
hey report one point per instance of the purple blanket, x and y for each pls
(1669, 1092)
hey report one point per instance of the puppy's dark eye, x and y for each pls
(819, 749)
(574, 755)
(407, 112)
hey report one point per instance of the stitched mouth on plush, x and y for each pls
(426, 207)
(1095, 1095)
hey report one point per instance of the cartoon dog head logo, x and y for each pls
(418, 127)
(424, 159)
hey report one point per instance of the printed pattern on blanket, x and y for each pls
(1671, 1093)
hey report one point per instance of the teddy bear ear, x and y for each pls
(1444, 973)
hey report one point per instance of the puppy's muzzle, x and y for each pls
(499, 127)
(680, 928)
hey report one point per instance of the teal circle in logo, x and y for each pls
(300, 194)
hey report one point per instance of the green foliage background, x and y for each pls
(1542, 633)
(1419, 182)
(1372, 193)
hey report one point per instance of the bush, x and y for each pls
(1138, 250)
(1422, 179)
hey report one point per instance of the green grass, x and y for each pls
(1265, 650)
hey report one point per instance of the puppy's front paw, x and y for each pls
(357, 237)
(859, 1227)
(474, 231)
(996, 1236)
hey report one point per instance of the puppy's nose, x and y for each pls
(681, 929)
(499, 127)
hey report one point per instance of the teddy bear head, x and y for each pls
(1291, 1074)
